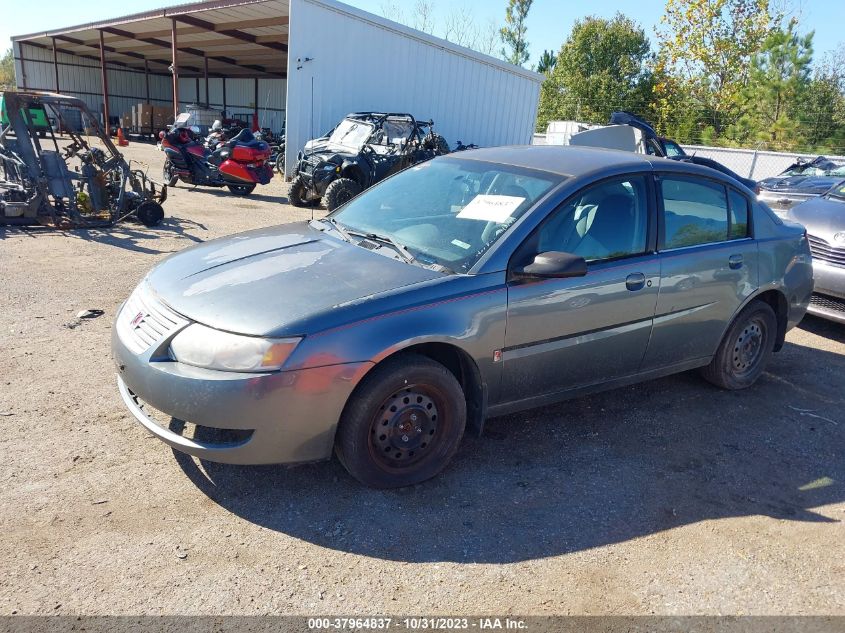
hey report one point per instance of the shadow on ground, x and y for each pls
(127, 235)
(586, 473)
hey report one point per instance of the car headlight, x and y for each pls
(203, 346)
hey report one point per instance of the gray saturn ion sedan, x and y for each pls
(473, 285)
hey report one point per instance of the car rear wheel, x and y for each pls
(340, 192)
(746, 349)
(296, 192)
(403, 424)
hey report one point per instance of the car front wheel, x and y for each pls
(339, 192)
(745, 350)
(403, 424)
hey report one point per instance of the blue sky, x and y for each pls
(548, 22)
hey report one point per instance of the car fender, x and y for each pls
(471, 319)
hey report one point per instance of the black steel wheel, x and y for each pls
(339, 192)
(403, 424)
(746, 348)
(168, 174)
(242, 190)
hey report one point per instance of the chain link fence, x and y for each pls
(756, 164)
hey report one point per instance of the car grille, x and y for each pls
(831, 304)
(145, 321)
(823, 251)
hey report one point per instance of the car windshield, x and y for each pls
(351, 134)
(825, 169)
(838, 191)
(447, 211)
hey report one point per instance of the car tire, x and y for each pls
(339, 192)
(403, 424)
(296, 192)
(242, 190)
(441, 145)
(745, 349)
(280, 161)
(170, 178)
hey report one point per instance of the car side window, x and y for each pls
(694, 212)
(739, 215)
(604, 221)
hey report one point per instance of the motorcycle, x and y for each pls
(240, 163)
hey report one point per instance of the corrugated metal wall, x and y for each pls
(361, 62)
(80, 77)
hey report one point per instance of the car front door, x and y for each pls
(568, 333)
(708, 268)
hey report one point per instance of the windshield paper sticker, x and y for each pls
(491, 208)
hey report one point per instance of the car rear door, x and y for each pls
(567, 333)
(708, 261)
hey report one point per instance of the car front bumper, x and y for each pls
(829, 293)
(279, 417)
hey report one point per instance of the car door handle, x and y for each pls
(735, 261)
(635, 281)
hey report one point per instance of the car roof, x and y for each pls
(565, 160)
(577, 160)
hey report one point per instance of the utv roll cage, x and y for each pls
(38, 185)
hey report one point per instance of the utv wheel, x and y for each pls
(745, 351)
(296, 193)
(242, 190)
(167, 172)
(403, 424)
(340, 192)
(441, 145)
(149, 213)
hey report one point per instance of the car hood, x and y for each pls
(821, 217)
(276, 281)
(329, 154)
(812, 185)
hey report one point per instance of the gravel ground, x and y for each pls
(670, 497)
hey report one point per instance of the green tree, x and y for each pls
(515, 50)
(706, 46)
(547, 62)
(821, 108)
(779, 78)
(602, 67)
(7, 70)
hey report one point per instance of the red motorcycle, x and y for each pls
(239, 164)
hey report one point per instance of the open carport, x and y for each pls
(297, 65)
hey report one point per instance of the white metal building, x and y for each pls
(298, 64)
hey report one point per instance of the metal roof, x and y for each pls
(236, 37)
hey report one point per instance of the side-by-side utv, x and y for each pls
(59, 179)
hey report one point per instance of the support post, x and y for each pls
(224, 96)
(205, 69)
(55, 64)
(175, 67)
(105, 85)
(147, 79)
(255, 110)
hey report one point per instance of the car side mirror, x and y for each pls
(553, 265)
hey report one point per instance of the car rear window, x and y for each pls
(694, 212)
(739, 215)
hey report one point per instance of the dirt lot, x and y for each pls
(668, 497)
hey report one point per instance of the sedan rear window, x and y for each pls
(694, 212)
